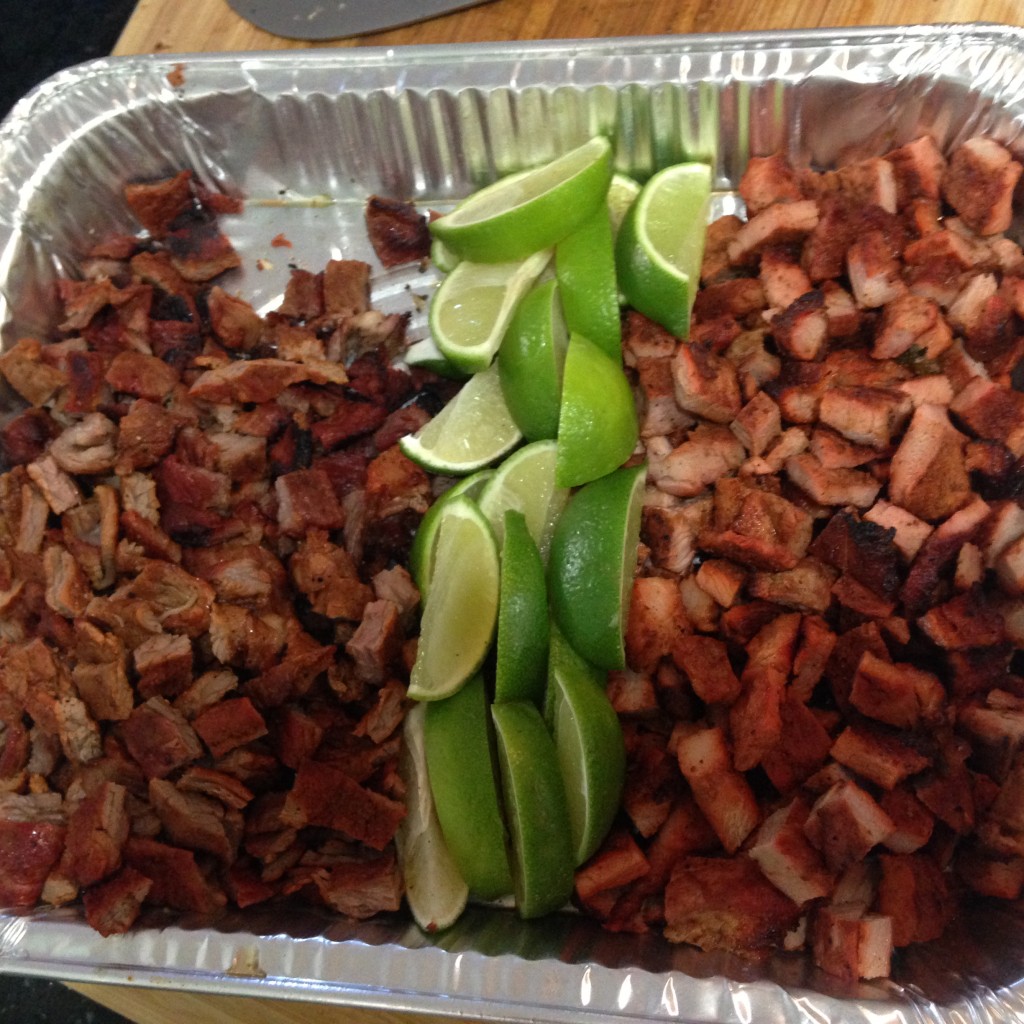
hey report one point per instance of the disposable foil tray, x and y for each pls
(304, 138)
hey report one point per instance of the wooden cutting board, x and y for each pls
(173, 26)
(205, 25)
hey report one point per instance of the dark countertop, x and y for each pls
(39, 38)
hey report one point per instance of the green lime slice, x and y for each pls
(473, 305)
(592, 563)
(425, 354)
(585, 268)
(525, 481)
(521, 648)
(435, 890)
(526, 212)
(530, 361)
(461, 611)
(424, 543)
(535, 809)
(597, 423)
(622, 193)
(588, 739)
(473, 430)
(464, 783)
(661, 243)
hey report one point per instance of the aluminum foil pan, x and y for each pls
(304, 138)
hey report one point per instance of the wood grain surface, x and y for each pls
(205, 25)
(189, 26)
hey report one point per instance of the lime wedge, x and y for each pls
(525, 481)
(464, 783)
(597, 423)
(588, 739)
(435, 890)
(592, 562)
(521, 648)
(472, 307)
(530, 361)
(622, 192)
(461, 611)
(473, 430)
(585, 267)
(424, 543)
(425, 354)
(661, 243)
(523, 213)
(535, 809)
(442, 257)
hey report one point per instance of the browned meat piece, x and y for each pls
(146, 433)
(898, 694)
(60, 491)
(705, 660)
(992, 411)
(157, 205)
(196, 822)
(817, 642)
(722, 793)
(260, 380)
(979, 183)
(375, 647)
(803, 749)
(726, 904)
(229, 724)
(865, 415)
(914, 893)
(802, 328)
(807, 587)
(97, 831)
(851, 944)
(758, 423)
(346, 288)
(144, 376)
(361, 888)
(235, 323)
(394, 483)
(164, 665)
(756, 528)
(178, 881)
(719, 234)
(832, 486)
(780, 224)
(739, 298)
(845, 823)
(874, 270)
(159, 738)
(783, 278)
(32, 831)
(326, 797)
(705, 384)
(660, 414)
(968, 620)
(306, 500)
(708, 454)
(914, 822)
(918, 168)
(722, 580)
(866, 183)
(767, 180)
(877, 756)
(25, 371)
(619, 862)
(398, 231)
(114, 906)
(911, 320)
(863, 549)
(910, 532)
(351, 419)
(787, 859)
(834, 451)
